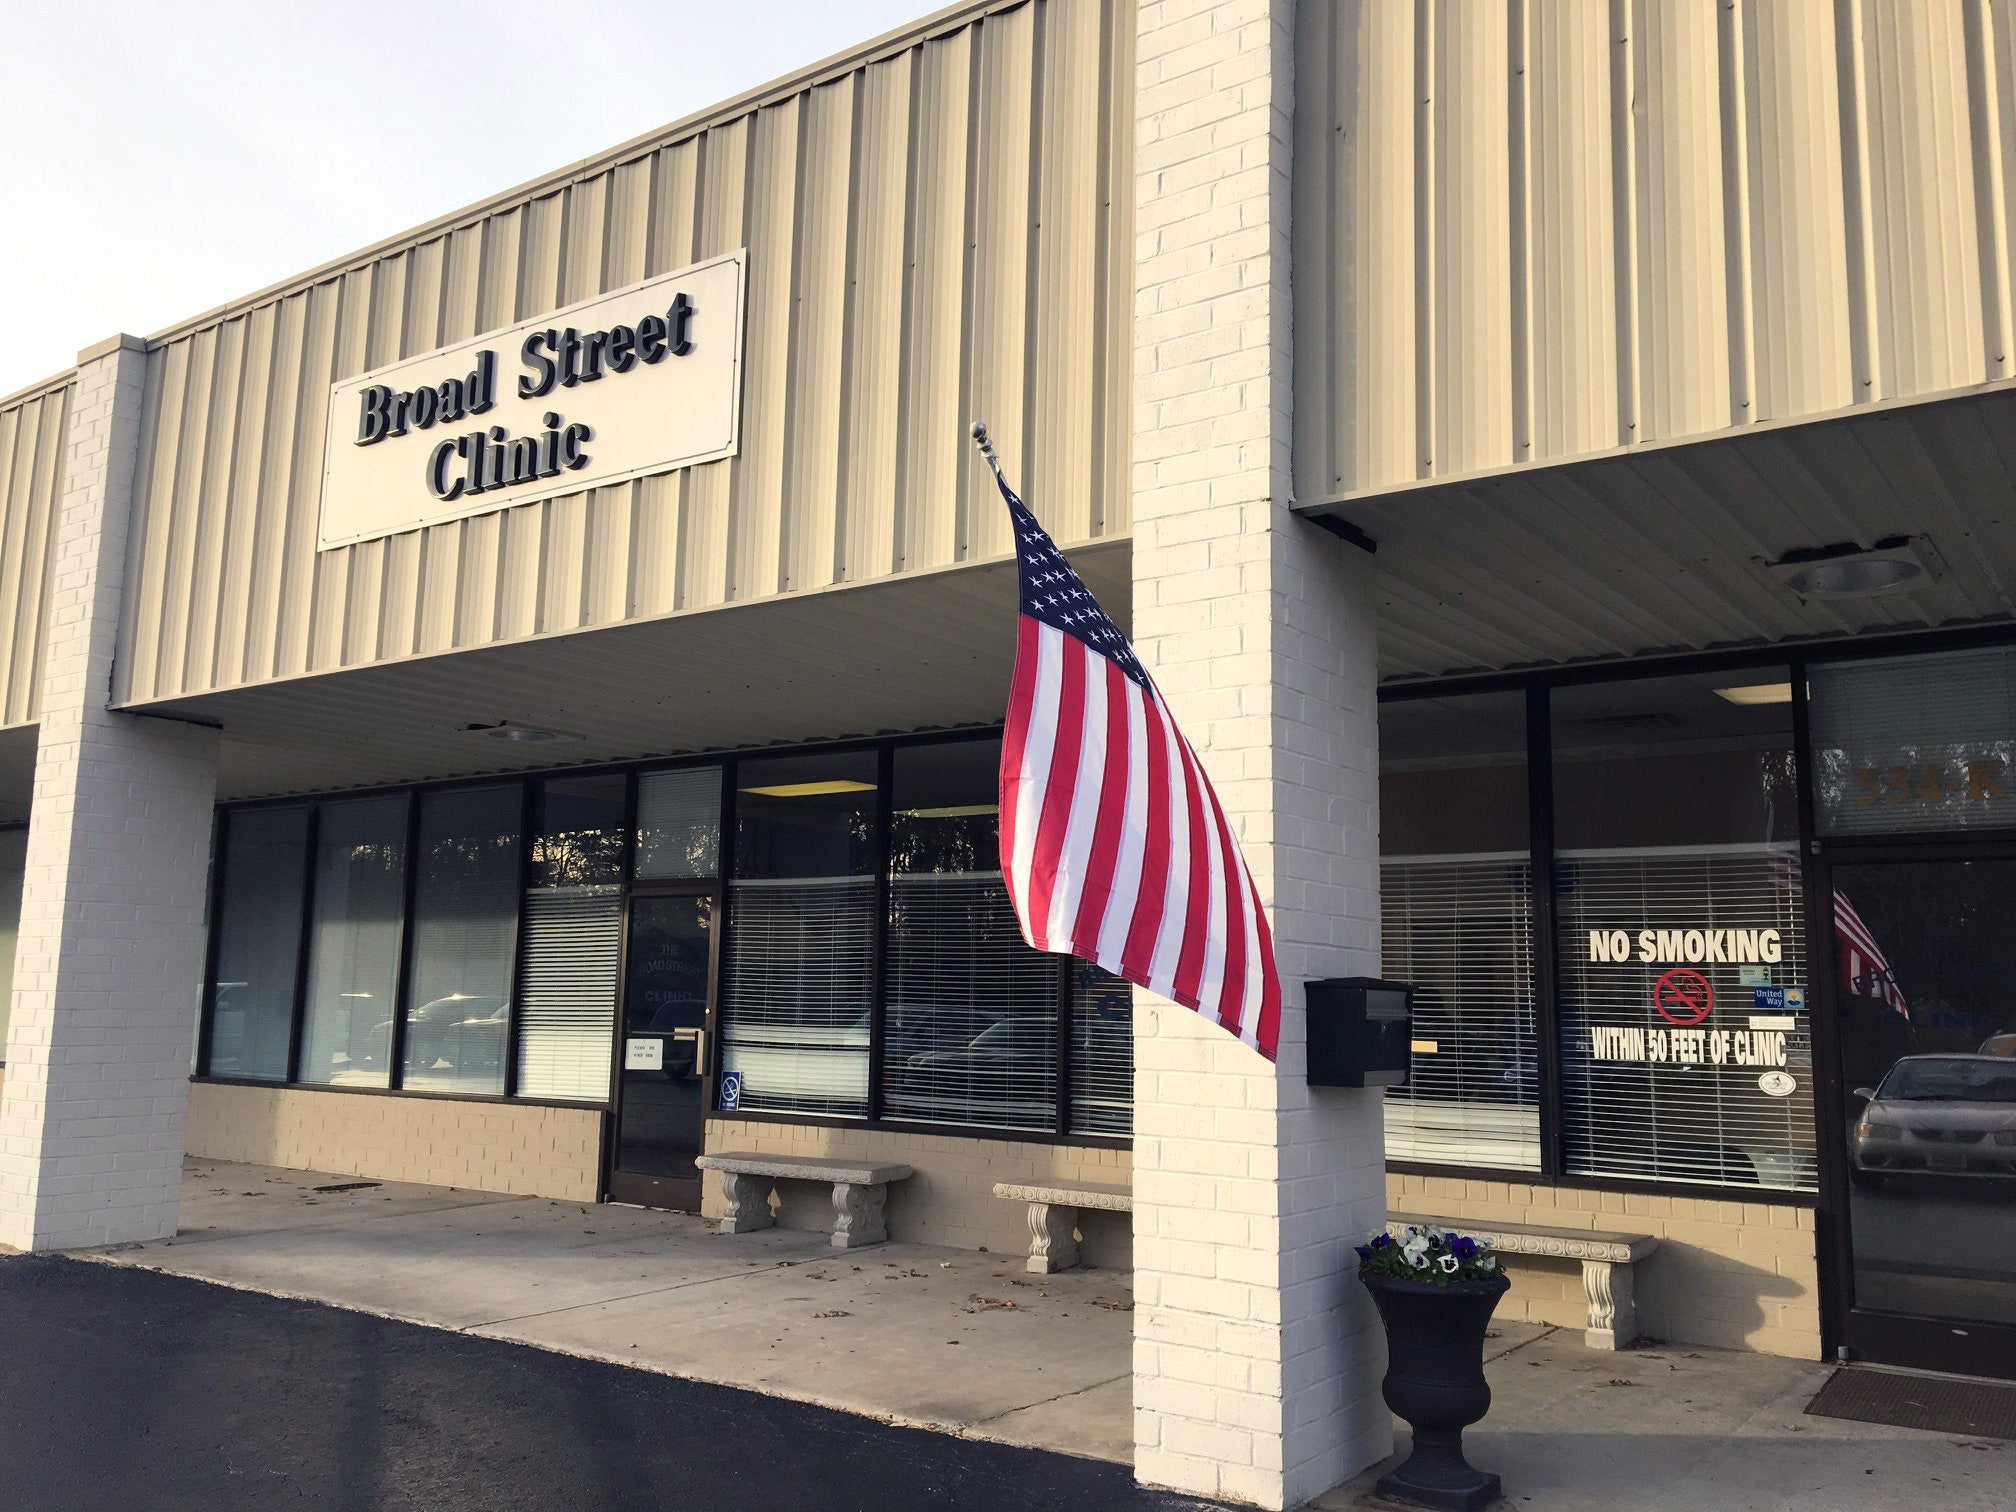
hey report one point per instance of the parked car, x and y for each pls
(1938, 1115)
(2003, 1045)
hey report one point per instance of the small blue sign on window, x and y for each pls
(1772, 998)
(731, 1091)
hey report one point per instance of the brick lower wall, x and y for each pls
(496, 1147)
(1730, 1275)
(950, 1201)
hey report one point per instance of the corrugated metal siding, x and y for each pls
(1530, 230)
(940, 234)
(32, 432)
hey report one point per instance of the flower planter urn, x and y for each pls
(1435, 1380)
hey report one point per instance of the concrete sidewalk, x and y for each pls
(938, 1338)
(970, 1344)
(1684, 1430)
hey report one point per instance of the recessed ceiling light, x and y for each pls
(810, 789)
(1850, 570)
(1752, 694)
(522, 734)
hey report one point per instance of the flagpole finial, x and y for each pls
(986, 444)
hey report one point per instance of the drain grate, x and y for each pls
(1936, 1404)
(349, 1186)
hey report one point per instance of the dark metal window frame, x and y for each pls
(1537, 687)
(529, 783)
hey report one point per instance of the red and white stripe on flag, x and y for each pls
(1113, 844)
(1865, 971)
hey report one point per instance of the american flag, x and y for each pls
(1864, 971)
(1113, 844)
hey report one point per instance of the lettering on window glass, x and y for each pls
(1964, 780)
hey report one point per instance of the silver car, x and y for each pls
(1938, 1115)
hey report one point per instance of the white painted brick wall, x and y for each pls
(1257, 1355)
(109, 958)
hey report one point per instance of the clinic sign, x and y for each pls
(637, 382)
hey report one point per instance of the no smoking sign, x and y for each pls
(1683, 997)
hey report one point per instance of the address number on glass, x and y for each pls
(1939, 782)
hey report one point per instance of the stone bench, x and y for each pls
(1606, 1266)
(1053, 1216)
(860, 1191)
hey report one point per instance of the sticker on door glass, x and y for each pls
(1777, 1084)
(643, 1054)
(731, 1091)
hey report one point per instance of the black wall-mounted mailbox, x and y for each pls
(1361, 1032)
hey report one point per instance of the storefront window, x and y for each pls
(353, 943)
(849, 911)
(970, 1024)
(799, 983)
(1686, 1052)
(679, 824)
(1915, 743)
(572, 934)
(1101, 1026)
(1455, 885)
(258, 943)
(465, 924)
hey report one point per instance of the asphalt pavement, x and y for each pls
(127, 1389)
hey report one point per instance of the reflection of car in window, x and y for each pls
(463, 1032)
(1999, 1044)
(1938, 1115)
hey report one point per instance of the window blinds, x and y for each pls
(799, 981)
(1645, 1094)
(679, 824)
(1460, 929)
(1102, 1051)
(567, 991)
(970, 1027)
(1915, 743)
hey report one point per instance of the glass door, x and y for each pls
(662, 1065)
(1925, 1030)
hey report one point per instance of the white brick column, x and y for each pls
(110, 955)
(1257, 1355)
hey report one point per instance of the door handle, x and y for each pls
(698, 1039)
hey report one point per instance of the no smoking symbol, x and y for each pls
(1683, 997)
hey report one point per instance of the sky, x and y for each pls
(162, 158)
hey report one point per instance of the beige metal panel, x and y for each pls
(936, 230)
(1357, 351)
(1469, 288)
(1529, 231)
(933, 446)
(1683, 288)
(1801, 322)
(1920, 167)
(33, 428)
(1571, 235)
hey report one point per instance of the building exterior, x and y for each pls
(533, 684)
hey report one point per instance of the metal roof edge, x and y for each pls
(48, 385)
(876, 49)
